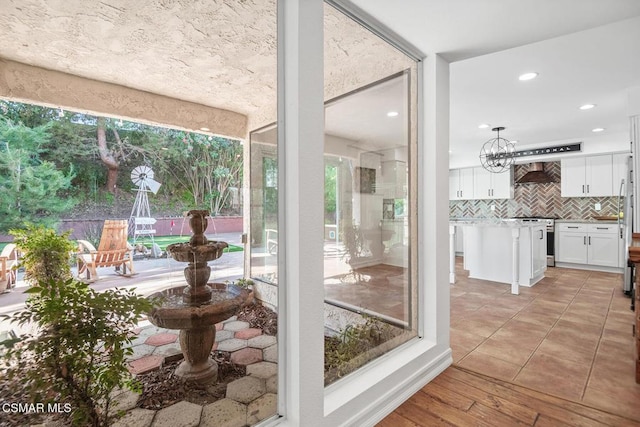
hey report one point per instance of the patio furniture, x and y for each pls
(8, 266)
(272, 241)
(113, 251)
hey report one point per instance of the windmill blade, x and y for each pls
(153, 185)
(140, 174)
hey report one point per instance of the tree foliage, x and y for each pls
(32, 190)
(51, 160)
(208, 167)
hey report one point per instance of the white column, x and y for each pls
(452, 253)
(300, 211)
(515, 283)
(633, 110)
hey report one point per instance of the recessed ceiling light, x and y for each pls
(587, 106)
(483, 126)
(392, 114)
(527, 76)
(597, 130)
(205, 129)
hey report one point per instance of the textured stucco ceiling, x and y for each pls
(216, 53)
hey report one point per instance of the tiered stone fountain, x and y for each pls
(196, 308)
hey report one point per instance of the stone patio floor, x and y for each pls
(248, 400)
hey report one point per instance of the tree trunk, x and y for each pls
(107, 157)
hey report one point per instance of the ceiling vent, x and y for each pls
(536, 175)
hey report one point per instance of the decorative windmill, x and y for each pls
(140, 222)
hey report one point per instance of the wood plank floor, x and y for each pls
(459, 397)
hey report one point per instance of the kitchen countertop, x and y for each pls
(587, 221)
(634, 249)
(495, 222)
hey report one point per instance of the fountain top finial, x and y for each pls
(198, 222)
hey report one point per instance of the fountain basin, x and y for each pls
(196, 322)
(186, 252)
(174, 313)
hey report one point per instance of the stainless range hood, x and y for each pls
(536, 174)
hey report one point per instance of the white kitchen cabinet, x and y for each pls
(488, 185)
(459, 247)
(587, 176)
(602, 243)
(538, 250)
(590, 244)
(620, 170)
(461, 184)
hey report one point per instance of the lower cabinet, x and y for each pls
(591, 244)
(538, 250)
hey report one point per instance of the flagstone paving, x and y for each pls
(248, 400)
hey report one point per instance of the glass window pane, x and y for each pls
(370, 142)
(264, 206)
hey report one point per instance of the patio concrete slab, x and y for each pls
(224, 335)
(145, 364)
(170, 352)
(262, 370)
(232, 345)
(161, 339)
(224, 413)
(235, 325)
(272, 384)
(262, 408)
(181, 414)
(246, 356)
(262, 341)
(247, 389)
(124, 400)
(270, 354)
(248, 333)
(136, 418)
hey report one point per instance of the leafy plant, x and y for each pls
(80, 348)
(244, 283)
(46, 254)
(346, 352)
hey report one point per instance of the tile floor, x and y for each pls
(570, 336)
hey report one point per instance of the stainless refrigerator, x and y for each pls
(625, 224)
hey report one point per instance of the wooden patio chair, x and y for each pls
(113, 251)
(9, 259)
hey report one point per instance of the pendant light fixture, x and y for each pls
(497, 154)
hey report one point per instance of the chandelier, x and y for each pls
(497, 154)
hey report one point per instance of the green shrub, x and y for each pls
(46, 254)
(353, 347)
(80, 349)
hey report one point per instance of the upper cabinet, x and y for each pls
(620, 171)
(488, 185)
(587, 176)
(461, 184)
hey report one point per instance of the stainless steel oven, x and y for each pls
(551, 245)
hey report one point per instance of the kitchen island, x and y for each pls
(508, 251)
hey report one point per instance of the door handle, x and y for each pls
(587, 188)
(541, 234)
(589, 239)
(584, 240)
(582, 188)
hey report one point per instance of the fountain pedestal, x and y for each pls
(197, 307)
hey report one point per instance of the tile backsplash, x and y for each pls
(535, 200)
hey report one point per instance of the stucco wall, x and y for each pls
(25, 83)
